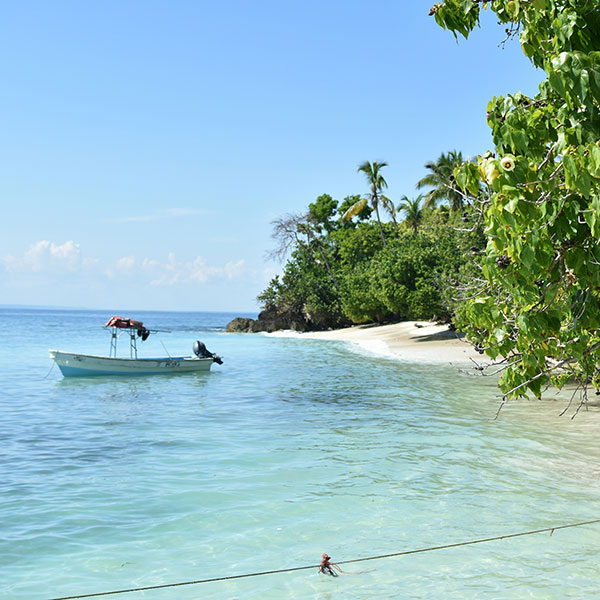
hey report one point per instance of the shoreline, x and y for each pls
(426, 342)
(418, 341)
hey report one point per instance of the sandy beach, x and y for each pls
(421, 341)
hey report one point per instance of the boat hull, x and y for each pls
(84, 365)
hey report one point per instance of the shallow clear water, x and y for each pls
(290, 449)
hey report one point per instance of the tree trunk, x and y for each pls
(379, 221)
(327, 266)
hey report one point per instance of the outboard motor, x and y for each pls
(201, 351)
(143, 333)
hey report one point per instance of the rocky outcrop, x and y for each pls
(240, 324)
(268, 320)
(271, 319)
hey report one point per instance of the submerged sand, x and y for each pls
(421, 341)
(428, 342)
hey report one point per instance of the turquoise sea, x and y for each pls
(293, 447)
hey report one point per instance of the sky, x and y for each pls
(147, 146)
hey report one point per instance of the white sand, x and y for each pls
(420, 341)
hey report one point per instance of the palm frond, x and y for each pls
(365, 168)
(354, 209)
(372, 173)
(441, 179)
(428, 180)
(388, 205)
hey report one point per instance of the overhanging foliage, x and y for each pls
(536, 302)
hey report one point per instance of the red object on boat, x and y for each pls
(122, 323)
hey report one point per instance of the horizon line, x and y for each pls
(85, 308)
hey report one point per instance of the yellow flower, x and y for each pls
(507, 162)
(488, 169)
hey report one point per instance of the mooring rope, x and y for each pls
(341, 562)
(50, 371)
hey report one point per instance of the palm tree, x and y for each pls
(441, 180)
(413, 210)
(375, 196)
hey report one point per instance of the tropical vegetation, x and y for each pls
(345, 267)
(506, 246)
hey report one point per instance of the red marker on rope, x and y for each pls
(326, 567)
(329, 568)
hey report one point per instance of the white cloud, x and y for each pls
(198, 270)
(61, 274)
(123, 266)
(47, 256)
(126, 263)
(234, 270)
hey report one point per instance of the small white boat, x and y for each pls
(73, 364)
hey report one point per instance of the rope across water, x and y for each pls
(341, 562)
